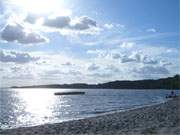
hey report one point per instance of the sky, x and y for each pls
(87, 41)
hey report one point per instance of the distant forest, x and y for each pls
(163, 83)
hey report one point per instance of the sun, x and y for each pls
(40, 6)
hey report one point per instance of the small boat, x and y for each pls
(70, 93)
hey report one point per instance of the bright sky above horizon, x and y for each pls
(87, 41)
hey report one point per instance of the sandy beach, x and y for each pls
(161, 119)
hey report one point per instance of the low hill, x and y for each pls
(163, 83)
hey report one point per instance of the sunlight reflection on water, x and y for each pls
(38, 103)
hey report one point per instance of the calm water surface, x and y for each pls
(28, 107)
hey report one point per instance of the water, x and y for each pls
(29, 107)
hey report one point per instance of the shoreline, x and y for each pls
(90, 116)
(160, 118)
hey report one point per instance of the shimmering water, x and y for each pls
(28, 107)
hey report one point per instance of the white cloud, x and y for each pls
(67, 64)
(137, 57)
(16, 57)
(116, 56)
(126, 59)
(120, 26)
(117, 59)
(72, 28)
(59, 68)
(151, 30)
(165, 63)
(127, 45)
(108, 26)
(1, 7)
(64, 22)
(99, 53)
(83, 23)
(152, 70)
(32, 18)
(18, 33)
(93, 67)
(119, 39)
(101, 75)
(147, 60)
(58, 22)
(112, 68)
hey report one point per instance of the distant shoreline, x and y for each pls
(161, 119)
(163, 83)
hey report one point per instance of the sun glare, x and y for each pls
(40, 6)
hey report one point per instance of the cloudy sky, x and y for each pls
(87, 41)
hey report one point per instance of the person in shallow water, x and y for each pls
(172, 95)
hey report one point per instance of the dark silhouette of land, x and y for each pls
(163, 83)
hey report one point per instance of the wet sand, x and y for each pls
(161, 119)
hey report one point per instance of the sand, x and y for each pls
(161, 119)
